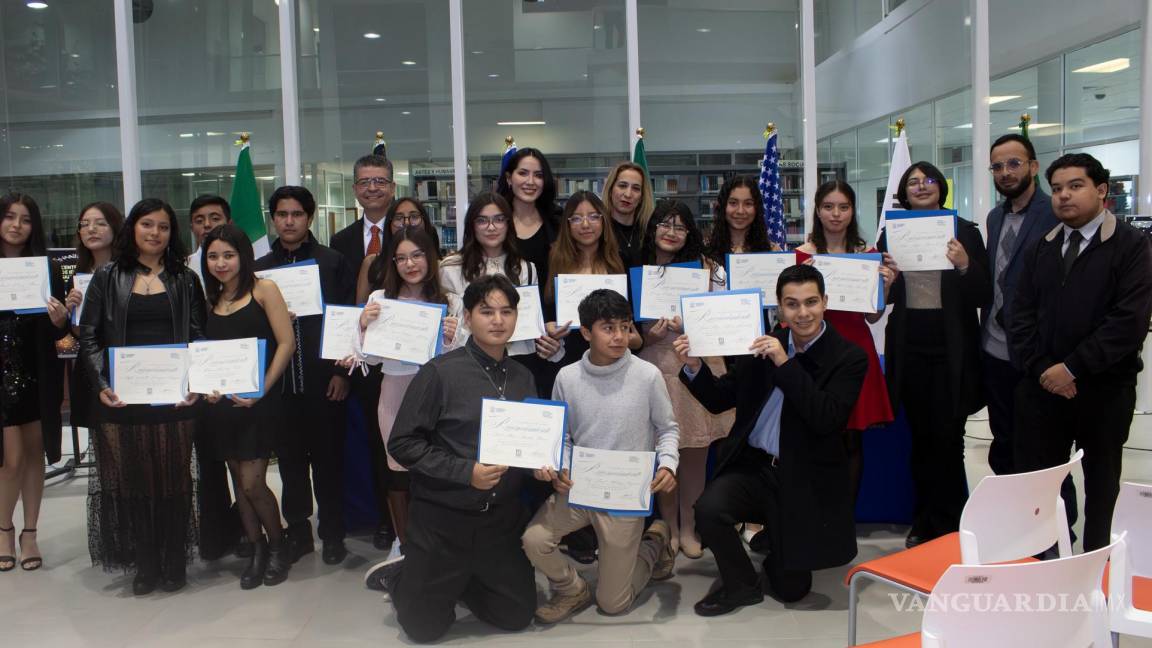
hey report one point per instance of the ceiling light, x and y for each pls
(408, 62)
(214, 134)
(493, 76)
(48, 86)
(406, 112)
(381, 99)
(1033, 107)
(371, 35)
(37, 5)
(968, 125)
(187, 135)
(75, 55)
(995, 99)
(883, 141)
(477, 52)
(190, 174)
(521, 123)
(1115, 65)
(703, 30)
(596, 26)
(315, 29)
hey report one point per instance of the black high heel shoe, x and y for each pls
(31, 563)
(8, 563)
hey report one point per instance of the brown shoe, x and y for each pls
(563, 606)
(665, 558)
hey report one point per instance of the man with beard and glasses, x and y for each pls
(1014, 227)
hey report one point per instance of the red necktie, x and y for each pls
(374, 244)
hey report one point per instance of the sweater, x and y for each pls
(621, 406)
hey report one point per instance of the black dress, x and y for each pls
(19, 381)
(245, 433)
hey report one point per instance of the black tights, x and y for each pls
(257, 504)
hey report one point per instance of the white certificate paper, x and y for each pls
(522, 435)
(150, 375)
(24, 284)
(80, 281)
(722, 323)
(405, 330)
(612, 480)
(341, 323)
(759, 270)
(225, 366)
(572, 288)
(529, 316)
(851, 281)
(919, 240)
(662, 286)
(300, 285)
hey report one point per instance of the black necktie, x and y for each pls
(1073, 250)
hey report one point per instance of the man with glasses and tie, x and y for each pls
(1079, 318)
(375, 191)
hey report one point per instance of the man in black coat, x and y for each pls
(312, 436)
(784, 463)
(1079, 319)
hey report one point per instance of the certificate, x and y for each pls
(407, 331)
(571, 289)
(662, 286)
(722, 323)
(612, 480)
(529, 315)
(341, 323)
(918, 240)
(852, 281)
(758, 270)
(149, 375)
(226, 366)
(522, 435)
(300, 285)
(24, 284)
(80, 281)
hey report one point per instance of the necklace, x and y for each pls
(148, 281)
(499, 388)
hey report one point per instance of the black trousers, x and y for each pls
(1097, 421)
(937, 445)
(367, 392)
(219, 522)
(747, 490)
(310, 447)
(476, 558)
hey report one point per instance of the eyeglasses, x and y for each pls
(415, 257)
(493, 221)
(1011, 165)
(365, 183)
(293, 214)
(678, 229)
(591, 219)
(92, 224)
(927, 182)
(407, 220)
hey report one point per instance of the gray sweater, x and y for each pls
(621, 406)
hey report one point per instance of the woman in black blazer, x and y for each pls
(932, 358)
(140, 510)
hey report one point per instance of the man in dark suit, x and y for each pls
(1079, 319)
(784, 463)
(375, 190)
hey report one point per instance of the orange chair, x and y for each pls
(1007, 518)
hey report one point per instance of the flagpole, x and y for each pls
(808, 106)
(981, 114)
(1144, 189)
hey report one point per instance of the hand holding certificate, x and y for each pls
(24, 284)
(758, 270)
(406, 331)
(722, 323)
(226, 367)
(340, 324)
(572, 288)
(80, 281)
(851, 281)
(149, 375)
(662, 286)
(612, 480)
(918, 240)
(529, 315)
(522, 435)
(300, 285)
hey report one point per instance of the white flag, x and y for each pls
(901, 160)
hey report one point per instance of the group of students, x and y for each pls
(1048, 339)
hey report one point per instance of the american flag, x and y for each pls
(773, 194)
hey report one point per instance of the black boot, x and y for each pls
(253, 575)
(279, 562)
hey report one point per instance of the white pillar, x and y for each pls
(981, 114)
(459, 130)
(808, 95)
(288, 92)
(1145, 188)
(632, 43)
(126, 91)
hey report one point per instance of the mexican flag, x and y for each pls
(638, 156)
(247, 210)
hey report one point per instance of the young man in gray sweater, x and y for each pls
(615, 402)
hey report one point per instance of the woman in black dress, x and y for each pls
(246, 307)
(31, 388)
(530, 189)
(140, 513)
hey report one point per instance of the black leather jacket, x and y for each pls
(104, 320)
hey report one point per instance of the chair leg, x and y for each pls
(1115, 640)
(852, 611)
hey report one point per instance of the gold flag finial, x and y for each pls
(640, 132)
(379, 135)
(1025, 117)
(899, 126)
(508, 141)
(769, 129)
(244, 137)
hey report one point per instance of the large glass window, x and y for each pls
(59, 138)
(1102, 91)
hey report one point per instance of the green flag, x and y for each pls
(638, 154)
(1024, 132)
(247, 212)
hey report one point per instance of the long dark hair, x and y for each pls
(124, 250)
(930, 171)
(852, 238)
(115, 219)
(232, 235)
(756, 240)
(380, 263)
(36, 244)
(430, 289)
(471, 253)
(546, 201)
(669, 210)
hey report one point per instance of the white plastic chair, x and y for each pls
(1132, 558)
